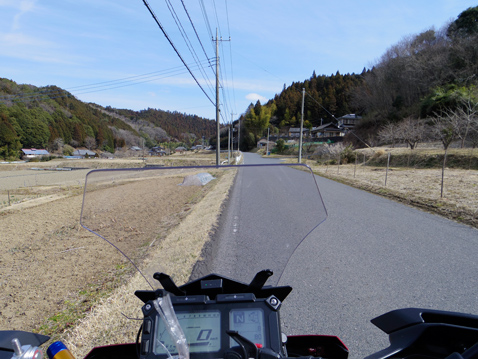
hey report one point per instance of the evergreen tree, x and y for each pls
(9, 141)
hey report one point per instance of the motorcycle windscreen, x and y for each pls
(251, 217)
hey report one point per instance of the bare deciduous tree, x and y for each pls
(90, 143)
(411, 131)
(58, 144)
(389, 134)
(445, 129)
(466, 117)
(473, 133)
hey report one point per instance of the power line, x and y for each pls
(223, 71)
(206, 19)
(194, 28)
(230, 58)
(175, 49)
(317, 102)
(188, 42)
(99, 86)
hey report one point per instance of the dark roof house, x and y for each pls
(348, 121)
(295, 131)
(328, 130)
(157, 151)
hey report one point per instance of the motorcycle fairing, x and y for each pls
(426, 333)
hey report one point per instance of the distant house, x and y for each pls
(295, 131)
(327, 131)
(135, 148)
(263, 144)
(157, 151)
(180, 149)
(348, 121)
(84, 154)
(34, 153)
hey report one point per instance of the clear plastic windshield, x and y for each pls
(230, 220)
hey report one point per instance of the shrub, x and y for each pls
(280, 146)
(68, 150)
(377, 154)
(348, 155)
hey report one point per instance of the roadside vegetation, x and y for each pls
(414, 177)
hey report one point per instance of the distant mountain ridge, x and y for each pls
(50, 117)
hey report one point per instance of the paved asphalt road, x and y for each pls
(370, 256)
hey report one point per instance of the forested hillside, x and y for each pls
(179, 126)
(49, 117)
(325, 96)
(423, 76)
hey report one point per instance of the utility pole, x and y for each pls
(301, 125)
(218, 134)
(239, 135)
(232, 133)
(229, 146)
(267, 146)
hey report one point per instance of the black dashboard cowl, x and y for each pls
(227, 286)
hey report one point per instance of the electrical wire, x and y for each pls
(223, 75)
(100, 86)
(230, 57)
(206, 19)
(175, 49)
(195, 31)
(188, 42)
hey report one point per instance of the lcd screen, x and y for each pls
(202, 331)
(249, 323)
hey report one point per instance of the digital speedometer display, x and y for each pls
(249, 323)
(202, 330)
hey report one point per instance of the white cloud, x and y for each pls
(24, 7)
(253, 97)
(18, 39)
(34, 49)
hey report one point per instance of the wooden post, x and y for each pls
(355, 167)
(386, 172)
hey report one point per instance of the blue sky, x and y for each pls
(112, 52)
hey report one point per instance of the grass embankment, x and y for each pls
(421, 158)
